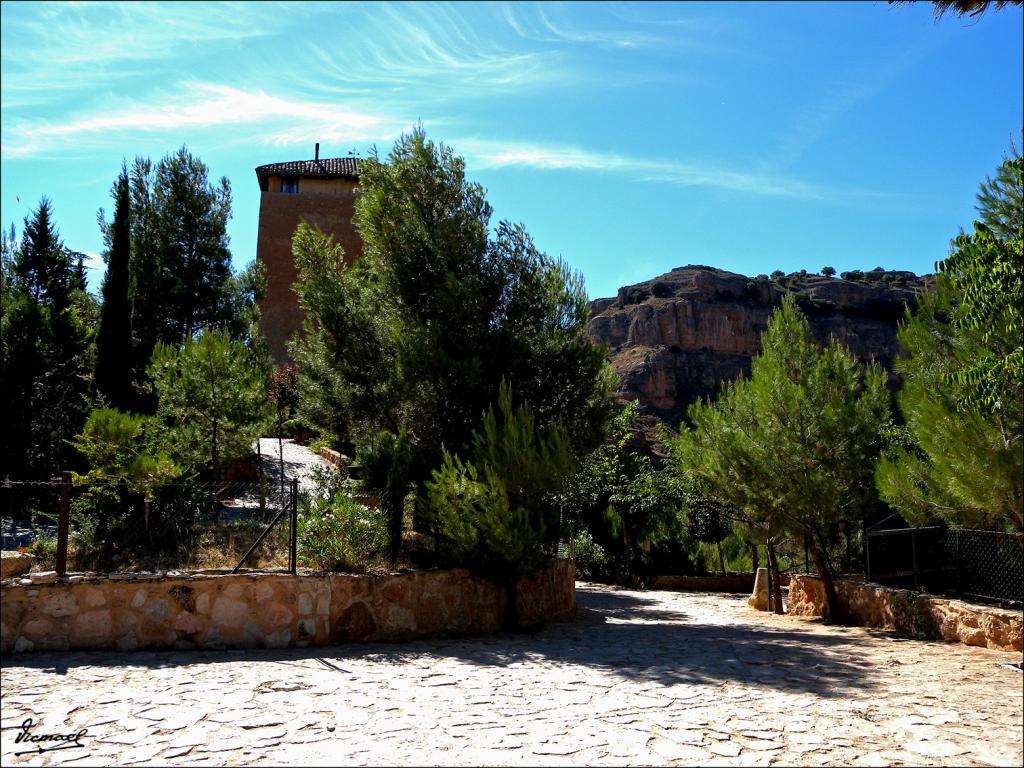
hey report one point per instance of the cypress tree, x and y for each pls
(114, 336)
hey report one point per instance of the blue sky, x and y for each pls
(628, 138)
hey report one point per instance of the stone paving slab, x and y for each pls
(641, 678)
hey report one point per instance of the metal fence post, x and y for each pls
(959, 564)
(292, 553)
(62, 523)
(913, 554)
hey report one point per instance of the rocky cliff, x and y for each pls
(676, 338)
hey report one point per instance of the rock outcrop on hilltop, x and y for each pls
(674, 339)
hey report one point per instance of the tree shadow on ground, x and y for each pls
(617, 633)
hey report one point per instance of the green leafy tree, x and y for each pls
(114, 374)
(964, 466)
(796, 444)
(418, 334)
(987, 272)
(828, 271)
(625, 503)
(212, 396)
(709, 521)
(136, 505)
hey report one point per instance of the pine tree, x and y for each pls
(795, 445)
(212, 395)
(114, 353)
(45, 354)
(195, 260)
(419, 333)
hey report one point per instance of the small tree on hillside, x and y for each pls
(796, 444)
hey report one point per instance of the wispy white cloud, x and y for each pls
(267, 118)
(419, 55)
(533, 22)
(491, 154)
(51, 50)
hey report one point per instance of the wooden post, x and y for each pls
(62, 523)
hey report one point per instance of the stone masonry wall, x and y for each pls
(261, 610)
(908, 612)
(731, 582)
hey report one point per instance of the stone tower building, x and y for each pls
(319, 191)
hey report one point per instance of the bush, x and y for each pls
(592, 563)
(44, 548)
(113, 528)
(662, 290)
(336, 533)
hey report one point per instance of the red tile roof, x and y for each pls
(347, 167)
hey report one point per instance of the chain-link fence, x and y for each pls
(185, 524)
(987, 565)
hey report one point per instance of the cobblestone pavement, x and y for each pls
(640, 678)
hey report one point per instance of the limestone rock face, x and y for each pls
(676, 338)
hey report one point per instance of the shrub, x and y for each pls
(114, 525)
(592, 563)
(45, 550)
(336, 533)
(662, 290)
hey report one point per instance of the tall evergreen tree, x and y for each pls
(195, 263)
(114, 371)
(43, 266)
(145, 285)
(45, 354)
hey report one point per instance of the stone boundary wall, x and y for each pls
(731, 582)
(267, 610)
(910, 613)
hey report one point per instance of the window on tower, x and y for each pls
(290, 184)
